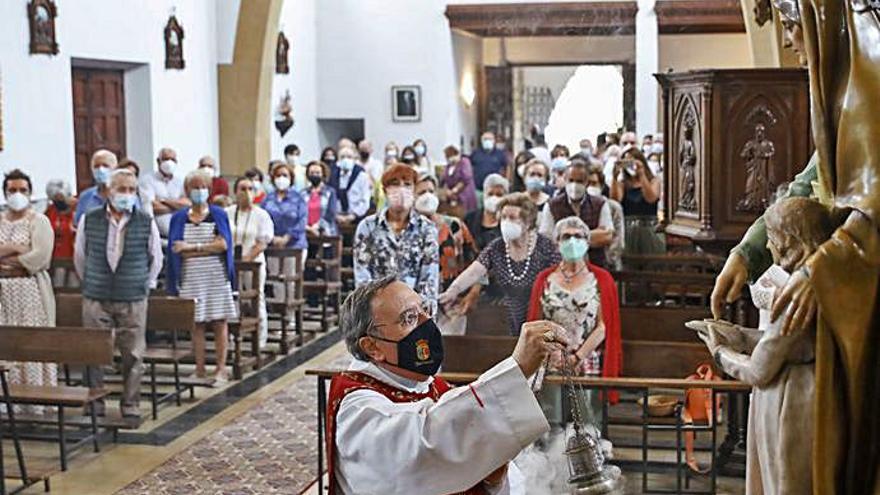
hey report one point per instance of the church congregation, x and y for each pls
(483, 247)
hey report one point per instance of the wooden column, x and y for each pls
(245, 88)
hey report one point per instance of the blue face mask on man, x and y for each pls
(488, 144)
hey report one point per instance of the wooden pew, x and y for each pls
(164, 314)
(688, 263)
(248, 324)
(326, 261)
(474, 354)
(63, 345)
(287, 279)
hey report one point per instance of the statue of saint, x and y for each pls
(779, 367)
(838, 287)
(757, 152)
(687, 168)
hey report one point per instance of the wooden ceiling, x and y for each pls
(594, 18)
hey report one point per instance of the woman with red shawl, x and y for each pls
(582, 298)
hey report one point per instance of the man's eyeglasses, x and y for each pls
(410, 317)
(565, 237)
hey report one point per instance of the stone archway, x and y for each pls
(245, 88)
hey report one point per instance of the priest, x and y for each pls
(393, 427)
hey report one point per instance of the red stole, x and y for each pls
(612, 361)
(349, 381)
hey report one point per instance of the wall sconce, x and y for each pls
(468, 92)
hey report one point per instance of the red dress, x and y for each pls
(62, 225)
(350, 381)
(612, 364)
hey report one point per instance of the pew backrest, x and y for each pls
(68, 345)
(475, 354)
(164, 313)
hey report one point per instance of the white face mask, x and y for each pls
(594, 191)
(17, 201)
(292, 159)
(282, 182)
(575, 190)
(168, 167)
(511, 230)
(427, 203)
(209, 170)
(490, 203)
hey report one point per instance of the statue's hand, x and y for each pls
(729, 283)
(727, 334)
(800, 299)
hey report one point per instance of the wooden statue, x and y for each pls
(838, 40)
(779, 367)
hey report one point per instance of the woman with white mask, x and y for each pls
(26, 298)
(512, 261)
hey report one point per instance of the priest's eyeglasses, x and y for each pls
(410, 317)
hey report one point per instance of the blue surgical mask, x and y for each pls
(101, 175)
(420, 149)
(346, 164)
(559, 163)
(488, 144)
(199, 196)
(123, 202)
(573, 249)
(535, 183)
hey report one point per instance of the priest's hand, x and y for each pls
(729, 283)
(536, 340)
(800, 299)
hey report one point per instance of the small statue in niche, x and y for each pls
(779, 367)
(174, 44)
(41, 18)
(687, 166)
(281, 50)
(758, 152)
(285, 114)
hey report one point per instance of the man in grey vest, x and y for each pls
(118, 256)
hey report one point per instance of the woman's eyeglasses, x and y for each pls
(565, 237)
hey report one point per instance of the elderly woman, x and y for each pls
(483, 223)
(201, 267)
(60, 214)
(287, 209)
(536, 175)
(513, 261)
(26, 297)
(458, 182)
(252, 231)
(582, 298)
(320, 200)
(637, 189)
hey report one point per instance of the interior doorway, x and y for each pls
(98, 117)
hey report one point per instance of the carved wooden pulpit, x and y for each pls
(732, 138)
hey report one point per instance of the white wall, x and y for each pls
(37, 101)
(368, 46)
(298, 20)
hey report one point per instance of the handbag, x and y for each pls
(698, 408)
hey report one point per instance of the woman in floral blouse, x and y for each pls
(582, 298)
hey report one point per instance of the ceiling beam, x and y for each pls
(604, 18)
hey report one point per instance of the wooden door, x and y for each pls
(98, 117)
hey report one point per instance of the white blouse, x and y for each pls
(249, 227)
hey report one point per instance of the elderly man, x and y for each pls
(219, 186)
(592, 209)
(118, 256)
(487, 159)
(373, 166)
(164, 189)
(395, 428)
(397, 240)
(352, 185)
(103, 163)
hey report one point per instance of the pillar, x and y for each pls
(245, 88)
(647, 64)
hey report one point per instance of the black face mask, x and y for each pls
(421, 351)
(315, 179)
(365, 156)
(60, 204)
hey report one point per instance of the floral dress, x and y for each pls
(23, 300)
(576, 312)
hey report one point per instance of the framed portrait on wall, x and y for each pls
(406, 103)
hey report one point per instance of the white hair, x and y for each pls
(493, 180)
(571, 223)
(56, 186)
(119, 174)
(102, 153)
(198, 173)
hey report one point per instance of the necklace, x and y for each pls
(525, 272)
(568, 278)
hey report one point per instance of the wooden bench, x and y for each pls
(325, 261)
(164, 314)
(64, 345)
(63, 276)
(284, 267)
(688, 263)
(248, 324)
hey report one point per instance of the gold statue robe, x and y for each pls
(842, 40)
